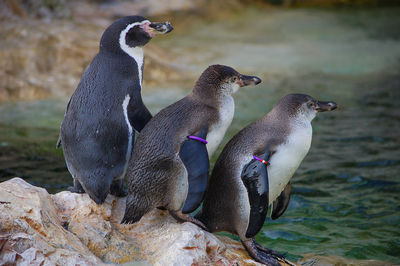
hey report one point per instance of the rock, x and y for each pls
(37, 228)
(42, 58)
(39, 61)
(69, 229)
(31, 231)
(46, 45)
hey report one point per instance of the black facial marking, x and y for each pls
(136, 36)
(110, 39)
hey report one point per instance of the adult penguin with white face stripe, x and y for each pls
(97, 132)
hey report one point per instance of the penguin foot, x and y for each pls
(264, 255)
(180, 217)
(74, 190)
(117, 188)
(77, 188)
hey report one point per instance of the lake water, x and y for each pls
(346, 193)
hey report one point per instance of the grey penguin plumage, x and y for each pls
(169, 170)
(242, 187)
(106, 109)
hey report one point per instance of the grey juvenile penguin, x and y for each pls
(170, 170)
(98, 128)
(242, 186)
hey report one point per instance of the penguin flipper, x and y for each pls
(255, 178)
(194, 156)
(281, 203)
(138, 114)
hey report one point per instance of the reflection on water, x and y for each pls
(346, 193)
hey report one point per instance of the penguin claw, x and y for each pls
(269, 251)
(265, 255)
(75, 190)
(120, 193)
(267, 259)
(180, 217)
(117, 188)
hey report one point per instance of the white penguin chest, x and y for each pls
(218, 130)
(287, 158)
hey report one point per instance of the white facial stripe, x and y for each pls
(134, 52)
(125, 110)
(306, 113)
(230, 87)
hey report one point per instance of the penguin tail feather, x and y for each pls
(135, 209)
(128, 219)
(97, 186)
(98, 200)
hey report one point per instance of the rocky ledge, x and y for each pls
(37, 228)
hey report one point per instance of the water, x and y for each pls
(346, 193)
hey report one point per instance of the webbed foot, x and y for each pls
(77, 188)
(180, 217)
(265, 255)
(117, 188)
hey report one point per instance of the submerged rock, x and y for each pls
(69, 229)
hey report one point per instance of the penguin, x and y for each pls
(254, 169)
(170, 160)
(106, 109)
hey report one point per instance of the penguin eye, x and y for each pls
(234, 79)
(310, 105)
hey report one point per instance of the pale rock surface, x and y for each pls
(37, 228)
(43, 51)
(39, 61)
(70, 229)
(31, 232)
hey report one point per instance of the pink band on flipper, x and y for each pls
(261, 160)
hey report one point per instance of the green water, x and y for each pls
(346, 193)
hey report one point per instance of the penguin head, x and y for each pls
(219, 80)
(131, 32)
(304, 106)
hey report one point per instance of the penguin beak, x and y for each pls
(247, 80)
(321, 106)
(160, 27)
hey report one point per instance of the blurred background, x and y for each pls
(346, 194)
